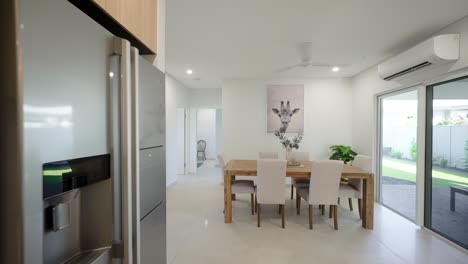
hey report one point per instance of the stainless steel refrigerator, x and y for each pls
(71, 91)
(138, 125)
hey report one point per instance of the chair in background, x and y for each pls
(201, 148)
(353, 189)
(268, 155)
(323, 188)
(295, 183)
(239, 186)
(270, 185)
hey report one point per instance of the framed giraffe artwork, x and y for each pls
(285, 108)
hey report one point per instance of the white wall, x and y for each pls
(328, 115)
(161, 35)
(364, 87)
(205, 98)
(366, 84)
(192, 141)
(176, 97)
(206, 130)
(181, 139)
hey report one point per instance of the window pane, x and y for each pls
(398, 143)
(449, 175)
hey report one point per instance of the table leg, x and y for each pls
(364, 203)
(227, 198)
(368, 202)
(233, 178)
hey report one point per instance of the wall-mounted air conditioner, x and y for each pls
(430, 54)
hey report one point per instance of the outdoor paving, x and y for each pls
(401, 198)
(454, 224)
(400, 195)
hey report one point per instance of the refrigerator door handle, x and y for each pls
(114, 127)
(135, 155)
(122, 47)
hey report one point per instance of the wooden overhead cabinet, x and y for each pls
(135, 20)
(112, 7)
(149, 22)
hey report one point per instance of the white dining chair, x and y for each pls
(299, 156)
(323, 188)
(270, 185)
(268, 155)
(240, 186)
(353, 189)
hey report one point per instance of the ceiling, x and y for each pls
(228, 39)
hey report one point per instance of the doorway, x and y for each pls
(208, 135)
(397, 159)
(193, 126)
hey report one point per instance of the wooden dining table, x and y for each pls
(249, 168)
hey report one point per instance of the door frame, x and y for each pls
(421, 195)
(181, 141)
(192, 141)
(420, 138)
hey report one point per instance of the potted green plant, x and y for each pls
(344, 153)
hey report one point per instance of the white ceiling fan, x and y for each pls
(305, 54)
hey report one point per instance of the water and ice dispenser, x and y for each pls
(77, 210)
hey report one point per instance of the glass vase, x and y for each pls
(290, 157)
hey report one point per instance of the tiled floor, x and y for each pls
(197, 233)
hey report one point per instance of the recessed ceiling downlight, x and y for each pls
(189, 71)
(336, 69)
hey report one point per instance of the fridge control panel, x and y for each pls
(66, 175)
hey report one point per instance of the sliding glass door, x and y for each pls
(446, 182)
(398, 114)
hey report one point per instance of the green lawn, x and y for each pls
(406, 170)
